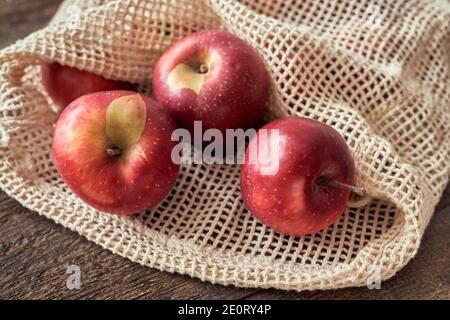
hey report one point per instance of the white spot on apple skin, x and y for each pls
(297, 203)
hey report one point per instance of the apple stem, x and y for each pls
(360, 191)
(203, 68)
(113, 152)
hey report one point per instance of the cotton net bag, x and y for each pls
(376, 71)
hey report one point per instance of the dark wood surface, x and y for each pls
(35, 252)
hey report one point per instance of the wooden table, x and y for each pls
(35, 252)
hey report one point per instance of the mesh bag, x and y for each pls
(376, 71)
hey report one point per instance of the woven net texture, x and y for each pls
(376, 71)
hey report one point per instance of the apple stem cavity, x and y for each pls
(113, 152)
(360, 191)
(203, 68)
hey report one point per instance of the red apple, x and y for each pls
(310, 176)
(214, 77)
(64, 84)
(113, 149)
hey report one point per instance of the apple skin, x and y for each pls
(293, 200)
(64, 84)
(235, 89)
(138, 179)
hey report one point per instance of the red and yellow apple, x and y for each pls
(113, 149)
(64, 84)
(214, 77)
(309, 185)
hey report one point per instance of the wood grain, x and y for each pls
(35, 252)
(18, 18)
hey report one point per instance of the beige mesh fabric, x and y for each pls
(376, 71)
